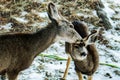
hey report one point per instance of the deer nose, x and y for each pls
(77, 41)
(83, 54)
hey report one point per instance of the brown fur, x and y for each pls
(90, 64)
(82, 29)
(17, 51)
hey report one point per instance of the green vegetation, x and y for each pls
(63, 59)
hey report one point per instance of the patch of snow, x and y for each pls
(35, 76)
(81, 14)
(24, 13)
(21, 20)
(94, 13)
(104, 73)
(57, 48)
(43, 24)
(39, 0)
(112, 35)
(7, 26)
(53, 67)
(116, 1)
(109, 11)
(43, 14)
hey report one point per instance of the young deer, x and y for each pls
(84, 54)
(17, 51)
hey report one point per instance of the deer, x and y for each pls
(17, 51)
(84, 54)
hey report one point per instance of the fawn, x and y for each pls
(84, 54)
(17, 51)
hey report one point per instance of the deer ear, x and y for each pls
(90, 39)
(93, 36)
(53, 12)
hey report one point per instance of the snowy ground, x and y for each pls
(49, 69)
(44, 68)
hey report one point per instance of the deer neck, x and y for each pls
(44, 38)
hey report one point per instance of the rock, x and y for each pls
(108, 75)
(117, 72)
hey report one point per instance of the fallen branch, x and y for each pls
(63, 59)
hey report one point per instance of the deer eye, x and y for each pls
(81, 41)
(76, 46)
(82, 44)
(71, 26)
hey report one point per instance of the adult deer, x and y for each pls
(17, 51)
(84, 54)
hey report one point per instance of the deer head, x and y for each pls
(65, 29)
(79, 51)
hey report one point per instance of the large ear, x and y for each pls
(93, 36)
(53, 12)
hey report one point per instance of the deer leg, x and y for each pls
(12, 75)
(89, 77)
(67, 67)
(79, 75)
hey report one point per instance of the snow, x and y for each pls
(116, 1)
(23, 13)
(39, 1)
(94, 13)
(108, 10)
(107, 70)
(7, 26)
(35, 76)
(43, 14)
(51, 69)
(21, 20)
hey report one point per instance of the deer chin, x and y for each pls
(57, 38)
